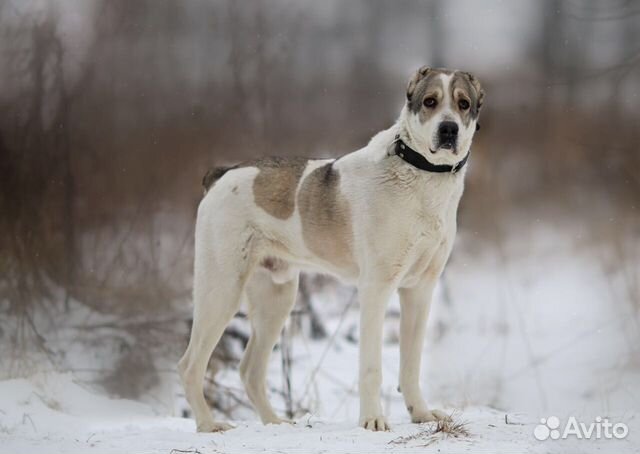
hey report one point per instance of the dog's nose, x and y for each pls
(448, 131)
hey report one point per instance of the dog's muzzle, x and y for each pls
(448, 135)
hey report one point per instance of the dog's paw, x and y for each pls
(214, 426)
(429, 416)
(376, 423)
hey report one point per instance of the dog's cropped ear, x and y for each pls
(475, 83)
(417, 77)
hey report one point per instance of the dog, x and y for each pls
(382, 217)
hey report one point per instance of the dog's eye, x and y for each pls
(430, 102)
(463, 104)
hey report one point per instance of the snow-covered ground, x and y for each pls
(52, 413)
(541, 326)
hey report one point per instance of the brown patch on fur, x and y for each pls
(326, 217)
(465, 86)
(426, 83)
(274, 188)
(273, 264)
(413, 82)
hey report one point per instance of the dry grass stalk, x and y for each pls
(430, 433)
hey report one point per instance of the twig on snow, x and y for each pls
(453, 427)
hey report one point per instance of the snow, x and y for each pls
(52, 413)
(536, 331)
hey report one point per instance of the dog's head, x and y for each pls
(442, 112)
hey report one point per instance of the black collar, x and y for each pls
(419, 161)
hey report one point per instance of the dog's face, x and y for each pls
(443, 108)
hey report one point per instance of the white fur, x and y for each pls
(404, 225)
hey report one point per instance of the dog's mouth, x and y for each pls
(451, 146)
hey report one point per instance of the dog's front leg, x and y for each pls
(373, 302)
(414, 304)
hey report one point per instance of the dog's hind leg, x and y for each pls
(269, 306)
(218, 285)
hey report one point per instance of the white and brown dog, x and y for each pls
(382, 217)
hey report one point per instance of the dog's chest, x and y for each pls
(431, 232)
(420, 259)
(433, 209)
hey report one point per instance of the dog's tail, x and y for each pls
(214, 175)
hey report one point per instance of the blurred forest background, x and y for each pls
(111, 111)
